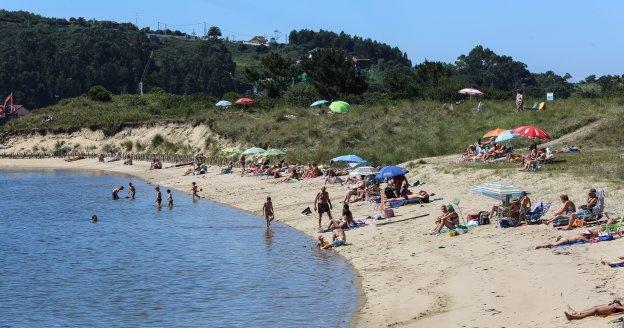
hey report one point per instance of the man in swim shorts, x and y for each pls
(169, 198)
(339, 238)
(322, 204)
(116, 192)
(267, 211)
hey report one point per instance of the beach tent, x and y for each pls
(339, 107)
(494, 133)
(273, 152)
(319, 103)
(223, 104)
(348, 159)
(253, 151)
(501, 191)
(388, 172)
(531, 132)
(364, 170)
(244, 101)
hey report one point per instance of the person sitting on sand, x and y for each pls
(448, 218)
(228, 168)
(116, 192)
(353, 189)
(421, 197)
(242, 161)
(294, 175)
(339, 238)
(531, 156)
(156, 164)
(267, 211)
(345, 222)
(566, 210)
(525, 205)
(128, 160)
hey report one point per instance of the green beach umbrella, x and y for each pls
(274, 152)
(339, 107)
(253, 151)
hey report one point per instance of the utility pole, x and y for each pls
(205, 32)
(158, 25)
(147, 65)
(136, 19)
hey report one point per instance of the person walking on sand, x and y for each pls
(194, 191)
(158, 197)
(242, 164)
(169, 199)
(132, 190)
(116, 192)
(520, 100)
(267, 211)
(322, 204)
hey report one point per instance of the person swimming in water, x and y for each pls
(158, 197)
(132, 190)
(267, 210)
(94, 218)
(116, 192)
(169, 198)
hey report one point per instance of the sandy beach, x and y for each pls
(489, 277)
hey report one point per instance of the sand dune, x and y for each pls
(489, 277)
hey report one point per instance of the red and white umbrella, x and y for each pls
(244, 101)
(471, 92)
(531, 132)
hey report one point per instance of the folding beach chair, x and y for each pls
(614, 227)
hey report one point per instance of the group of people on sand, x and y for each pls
(490, 150)
(570, 216)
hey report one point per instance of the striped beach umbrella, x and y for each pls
(499, 190)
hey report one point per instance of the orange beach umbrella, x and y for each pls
(494, 133)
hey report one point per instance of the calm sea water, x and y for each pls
(198, 265)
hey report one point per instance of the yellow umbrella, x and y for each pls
(494, 133)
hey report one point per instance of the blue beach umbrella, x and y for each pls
(349, 159)
(319, 103)
(506, 136)
(223, 104)
(499, 190)
(388, 172)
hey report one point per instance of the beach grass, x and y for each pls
(386, 133)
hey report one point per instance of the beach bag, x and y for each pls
(388, 213)
(473, 217)
(484, 218)
(504, 223)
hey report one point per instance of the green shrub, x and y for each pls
(138, 146)
(99, 93)
(301, 94)
(157, 91)
(231, 96)
(157, 140)
(127, 145)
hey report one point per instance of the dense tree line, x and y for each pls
(353, 45)
(45, 59)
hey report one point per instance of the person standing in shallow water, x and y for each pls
(267, 211)
(194, 191)
(132, 190)
(116, 192)
(158, 197)
(169, 199)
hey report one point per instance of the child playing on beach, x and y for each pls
(158, 197)
(267, 211)
(132, 190)
(169, 198)
(116, 192)
(322, 204)
(194, 191)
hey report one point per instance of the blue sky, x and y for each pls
(578, 37)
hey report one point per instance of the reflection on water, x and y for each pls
(198, 265)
